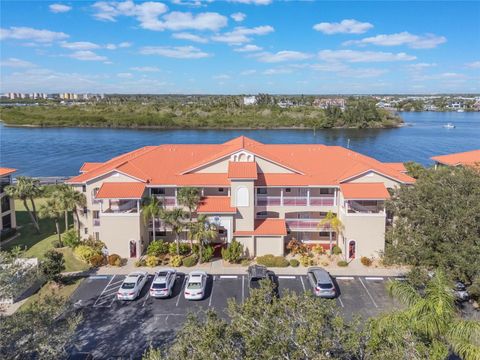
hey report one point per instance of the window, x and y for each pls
(7, 221)
(288, 190)
(85, 231)
(262, 214)
(220, 189)
(158, 191)
(97, 236)
(242, 197)
(262, 191)
(84, 188)
(85, 210)
(96, 214)
(326, 191)
(324, 234)
(160, 233)
(221, 231)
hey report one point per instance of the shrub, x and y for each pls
(94, 244)
(366, 261)
(151, 261)
(336, 250)
(342, 263)
(417, 277)
(96, 260)
(191, 260)
(176, 261)
(246, 262)
(85, 252)
(158, 247)
(272, 261)
(71, 239)
(114, 260)
(207, 253)
(306, 260)
(52, 265)
(183, 247)
(294, 262)
(474, 289)
(296, 247)
(139, 263)
(318, 249)
(56, 244)
(233, 252)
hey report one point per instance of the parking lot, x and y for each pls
(119, 328)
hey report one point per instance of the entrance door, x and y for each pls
(351, 249)
(133, 249)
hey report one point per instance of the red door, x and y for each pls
(351, 250)
(133, 249)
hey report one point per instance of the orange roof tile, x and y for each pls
(309, 164)
(88, 166)
(398, 166)
(266, 227)
(365, 191)
(242, 170)
(121, 190)
(469, 158)
(215, 204)
(6, 171)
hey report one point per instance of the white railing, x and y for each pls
(125, 207)
(265, 200)
(355, 207)
(167, 200)
(306, 224)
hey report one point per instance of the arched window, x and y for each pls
(242, 196)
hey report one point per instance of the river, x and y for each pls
(61, 151)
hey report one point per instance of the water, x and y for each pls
(61, 151)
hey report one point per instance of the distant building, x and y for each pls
(329, 102)
(468, 158)
(285, 104)
(249, 100)
(7, 210)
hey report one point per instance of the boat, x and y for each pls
(460, 110)
(449, 126)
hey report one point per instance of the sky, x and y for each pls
(240, 47)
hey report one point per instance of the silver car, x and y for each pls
(163, 283)
(195, 285)
(321, 282)
(132, 285)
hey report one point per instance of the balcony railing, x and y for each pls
(354, 207)
(96, 222)
(306, 224)
(127, 207)
(263, 200)
(167, 200)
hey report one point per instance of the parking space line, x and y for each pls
(211, 293)
(368, 292)
(286, 277)
(303, 285)
(344, 278)
(401, 279)
(181, 290)
(374, 278)
(341, 302)
(103, 291)
(228, 277)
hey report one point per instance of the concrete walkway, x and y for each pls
(217, 267)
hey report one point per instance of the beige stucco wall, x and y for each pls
(269, 167)
(221, 167)
(248, 245)
(244, 219)
(372, 177)
(269, 245)
(116, 231)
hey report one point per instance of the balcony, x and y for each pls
(122, 207)
(96, 222)
(167, 200)
(264, 200)
(365, 207)
(305, 224)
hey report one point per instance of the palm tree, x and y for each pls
(53, 209)
(334, 223)
(151, 209)
(70, 199)
(429, 326)
(175, 218)
(190, 198)
(26, 189)
(203, 232)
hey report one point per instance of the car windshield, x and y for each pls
(159, 286)
(194, 286)
(128, 285)
(325, 286)
(162, 273)
(255, 282)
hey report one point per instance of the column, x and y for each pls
(175, 196)
(281, 196)
(335, 196)
(308, 197)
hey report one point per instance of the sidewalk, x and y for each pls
(217, 267)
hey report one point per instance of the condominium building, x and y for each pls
(262, 195)
(7, 210)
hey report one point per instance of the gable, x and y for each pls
(374, 177)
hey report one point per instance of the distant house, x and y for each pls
(7, 210)
(326, 103)
(468, 158)
(285, 104)
(249, 100)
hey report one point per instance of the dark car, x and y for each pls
(460, 292)
(257, 273)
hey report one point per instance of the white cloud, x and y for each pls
(248, 72)
(278, 71)
(221, 77)
(427, 41)
(190, 37)
(241, 35)
(59, 8)
(179, 52)
(285, 55)
(253, 2)
(248, 48)
(193, 3)
(473, 65)
(363, 56)
(35, 35)
(87, 55)
(181, 21)
(16, 63)
(79, 45)
(145, 68)
(347, 26)
(238, 16)
(421, 66)
(125, 75)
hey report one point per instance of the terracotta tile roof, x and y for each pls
(364, 191)
(6, 171)
(88, 166)
(469, 158)
(307, 164)
(215, 204)
(266, 227)
(121, 190)
(398, 166)
(242, 170)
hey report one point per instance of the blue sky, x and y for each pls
(240, 46)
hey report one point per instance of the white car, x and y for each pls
(195, 285)
(132, 285)
(163, 283)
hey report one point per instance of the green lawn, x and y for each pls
(37, 244)
(65, 291)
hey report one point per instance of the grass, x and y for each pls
(65, 291)
(37, 244)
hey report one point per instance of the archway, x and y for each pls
(133, 249)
